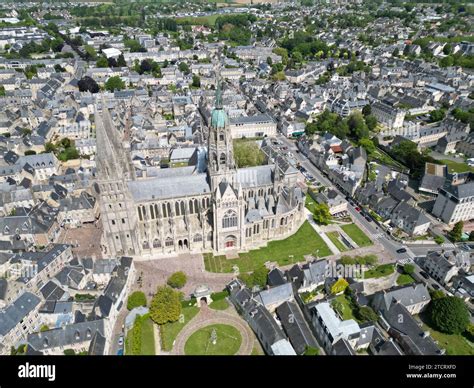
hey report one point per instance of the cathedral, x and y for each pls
(186, 209)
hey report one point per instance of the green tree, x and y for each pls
(114, 83)
(183, 67)
(165, 305)
(196, 81)
(136, 299)
(357, 126)
(257, 278)
(248, 154)
(449, 314)
(366, 314)
(339, 286)
(368, 145)
(367, 110)
(409, 269)
(471, 235)
(121, 61)
(371, 122)
(437, 115)
(439, 240)
(177, 280)
(455, 234)
(44, 328)
(2, 91)
(102, 62)
(321, 214)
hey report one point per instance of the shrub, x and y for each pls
(165, 306)
(177, 280)
(409, 269)
(339, 286)
(136, 299)
(439, 240)
(219, 295)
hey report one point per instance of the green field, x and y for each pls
(357, 235)
(380, 271)
(228, 340)
(202, 20)
(342, 305)
(455, 344)
(170, 331)
(147, 339)
(289, 251)
(456, 166)
(334, 237)
(220, 304)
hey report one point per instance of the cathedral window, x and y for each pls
(165, 213)
(176, 208)
(191, 206)
(152, 212)
(156, 243)
(197, 238)
(222, 159)
(140, 214)
(169, 242)
(221, 136)
(183, 210)
(230, 219)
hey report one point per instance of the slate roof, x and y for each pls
(407, 295)
(15, 312)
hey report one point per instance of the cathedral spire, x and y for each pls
(218, 103)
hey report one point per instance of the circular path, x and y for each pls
(208, 316)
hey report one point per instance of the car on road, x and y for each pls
(424, 274)
(436, 287)
(120, 340)
(368, 218)
(358, 209)
(402, 250)
(120, 352)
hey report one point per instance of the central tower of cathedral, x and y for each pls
(221, 164)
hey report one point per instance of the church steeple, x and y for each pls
(221, 164)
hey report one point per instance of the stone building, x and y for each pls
(213, 208)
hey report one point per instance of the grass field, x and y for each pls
(170, 331)
(289, 251)
(334, 237)
(220, 304)
(357, 235)
(201, 20)
(342, 305)
(455, 344)
(456, 166)
(228, 340)
(380, 271)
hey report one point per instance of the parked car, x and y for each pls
(120, 341)
(358, 209)
(436, 287)
(401, 250)
(424, 274)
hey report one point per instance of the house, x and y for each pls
(76, 336)
(275, 296)
(309, 276)
(295, 327)
(388, 115)
(330, 329)
(455, 202)
(267, 330)
(337, 204)
(406, 331)
(411, 220)
(414, 297)
(17, 320)
(443, 266)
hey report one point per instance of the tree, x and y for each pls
(114, 83)
(196, 81)
(248, 154)
(339, 286)
(357, 126)
(367, 144)
(439, 240)
(165, 305)
(136, 299)
(257, 278)
(177, 280)
(145, 66)
(102, 62)
(455, 234)
(409, 269)
(371, 122)
(367, 110)
(449, 314)
(183, 67)
(2, 91)
(121, 61)
(471, 236)
(366, 314)
(437, 115)
(87, 84)
(321, 214)
(44, 328)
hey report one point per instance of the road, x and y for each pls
(375, 232)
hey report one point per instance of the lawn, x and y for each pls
(288, 251)
(404, 279)
(201, 20)
(228, 340)
(380, 271)
(334, 237)
(456, 166)
(455, 344)
(147, 339)
(357, 235)
(170, 331)
(342, 305)
(220, 304)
